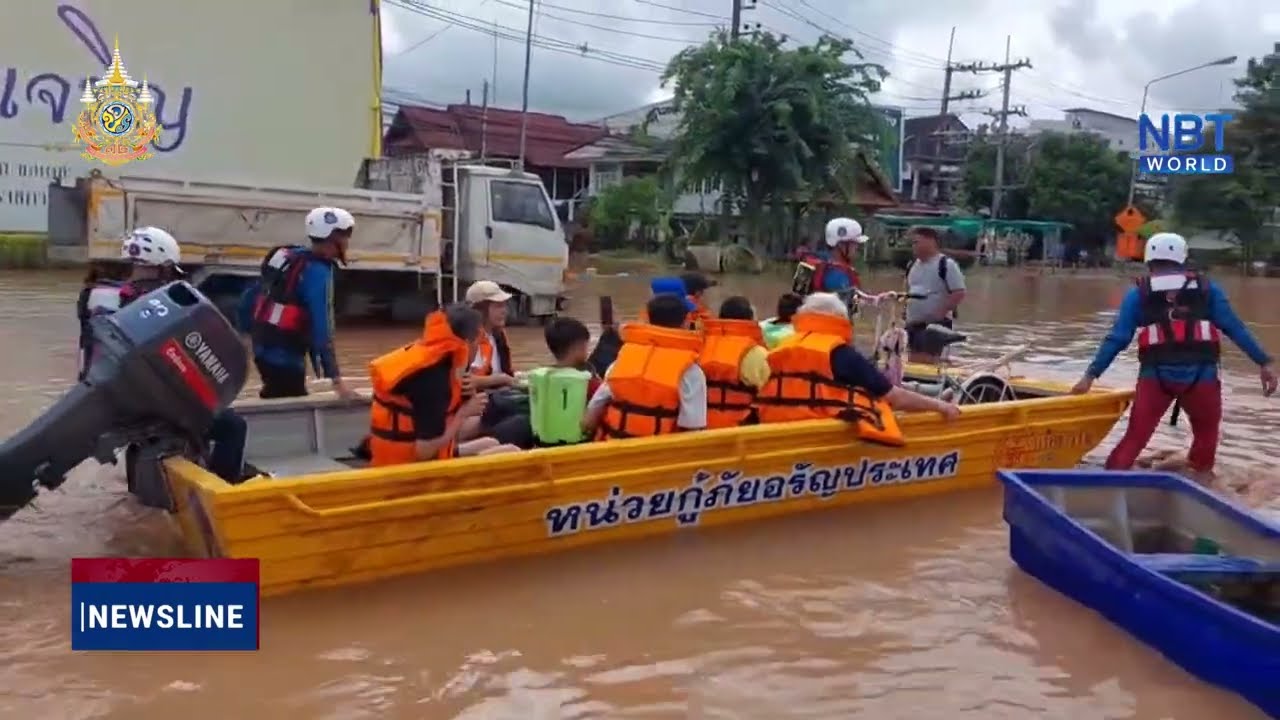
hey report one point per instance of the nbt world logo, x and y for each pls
(1176, 141)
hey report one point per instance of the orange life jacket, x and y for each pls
(802, 387)
(486, 350)
(644, 382)
(725, 343)
(391, 433)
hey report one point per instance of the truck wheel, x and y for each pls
(409, 308)
(518, 310)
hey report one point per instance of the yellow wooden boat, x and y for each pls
(321, 520)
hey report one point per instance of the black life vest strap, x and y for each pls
(397, 411)
(815, 380)
(626, 409)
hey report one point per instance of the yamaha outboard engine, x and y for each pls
(162, 368)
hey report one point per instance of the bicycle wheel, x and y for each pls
(986, 388)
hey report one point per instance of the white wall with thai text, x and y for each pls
(265, 93)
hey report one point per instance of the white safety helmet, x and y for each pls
(151, 246)
(842, 230)
(1166, 246)
(322, 221)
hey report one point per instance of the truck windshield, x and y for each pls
(519, 202)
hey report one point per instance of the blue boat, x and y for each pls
(1180, 569)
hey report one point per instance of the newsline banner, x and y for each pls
(148, 605)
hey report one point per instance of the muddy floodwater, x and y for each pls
(896, 612)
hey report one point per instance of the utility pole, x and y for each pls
(524, 101)
(484, 122)
(494, 76)
(736, 17)
(947, 97)
(1006, 69)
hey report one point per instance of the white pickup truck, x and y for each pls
(411, 250)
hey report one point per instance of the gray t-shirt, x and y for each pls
(923, 279)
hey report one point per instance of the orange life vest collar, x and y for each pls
(670, 338)
(735, 328)
(822, 324)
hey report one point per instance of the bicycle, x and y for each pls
(982, 384)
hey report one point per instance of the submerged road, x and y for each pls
(899, 612)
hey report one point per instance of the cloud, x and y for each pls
(598, 57)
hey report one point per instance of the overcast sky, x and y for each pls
(1084, 53)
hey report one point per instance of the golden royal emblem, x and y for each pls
(118, 123)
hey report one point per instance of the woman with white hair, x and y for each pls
(817, 373)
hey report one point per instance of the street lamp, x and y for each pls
(1133, 175)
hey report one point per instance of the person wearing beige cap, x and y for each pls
(492, 366)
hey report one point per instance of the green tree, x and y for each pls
(1245, 201)
(1077, 178)
(978, 177)
(772, 124)
(636, 203)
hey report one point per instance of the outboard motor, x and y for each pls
(162, 368)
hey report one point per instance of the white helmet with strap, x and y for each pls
(1167, 246)
(151, 246)
(842, 230)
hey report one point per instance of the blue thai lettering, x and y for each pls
(774, 488)
(950, 461)
(825, 483)
(634, 505)
(564, 520)
(604, 513)
(799, 478)
(690, 506)
(54, 90)
(8, 108)
(732, 490)
(748, 491)
(875, 472)
(925, 466)
(662, 504)
(178, 123)
(853, 475)
(55, 98)
(722, 494)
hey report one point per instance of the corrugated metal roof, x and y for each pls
(460, 127)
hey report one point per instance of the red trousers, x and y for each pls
(1201, 403)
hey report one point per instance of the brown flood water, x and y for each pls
(909, 611)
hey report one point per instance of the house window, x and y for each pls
(605, 175)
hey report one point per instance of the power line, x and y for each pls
(625, 18)
(619, 31)
(542, 41)
(686, 11)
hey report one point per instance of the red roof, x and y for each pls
(459, 127)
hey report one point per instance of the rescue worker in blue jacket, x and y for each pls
(154, 259)
(289, 312)
(1179, 318)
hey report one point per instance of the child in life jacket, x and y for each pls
(779, 327)
(1179, 318)
(558, 393)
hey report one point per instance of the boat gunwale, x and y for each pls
(1084, 407)
(1118, 559)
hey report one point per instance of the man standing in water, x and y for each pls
(938, 284)
(1179, 317)
(289, 312)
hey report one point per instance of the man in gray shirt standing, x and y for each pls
(940, 283)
